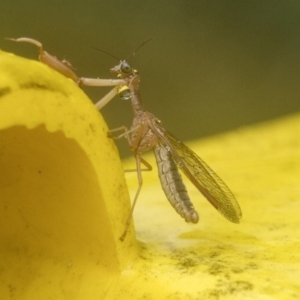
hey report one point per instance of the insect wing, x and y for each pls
(201, 175)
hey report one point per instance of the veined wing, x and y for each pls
(200, 174)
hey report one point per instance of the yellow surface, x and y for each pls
(63, 207)
(215, 259)
(63, 197)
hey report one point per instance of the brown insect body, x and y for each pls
(142, 139)
(147, 133)
(173, 185)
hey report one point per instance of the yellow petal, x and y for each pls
(63, 197)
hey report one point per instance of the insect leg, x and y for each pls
(138, 160)
(104, 100)
(125, 134)
(64, 67)
(145, 163)
(103, 82)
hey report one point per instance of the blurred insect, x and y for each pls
(147, 133)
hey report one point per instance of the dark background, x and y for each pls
(212, 66)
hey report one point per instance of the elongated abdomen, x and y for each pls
(173, 186)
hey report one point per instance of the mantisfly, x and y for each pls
(171, 156)
(147, 133)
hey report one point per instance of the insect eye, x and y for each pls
(126, 68)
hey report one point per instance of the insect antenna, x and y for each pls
(139, 47)
(109, 54)
(132, 54)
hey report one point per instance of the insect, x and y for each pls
(147, 133)
(171, 156)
